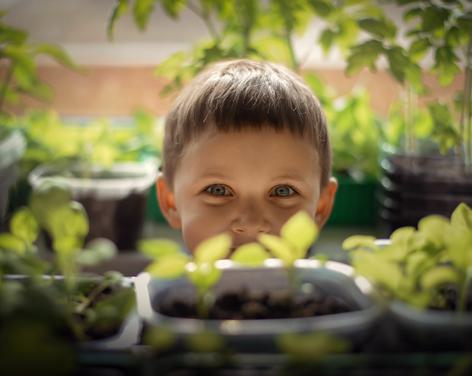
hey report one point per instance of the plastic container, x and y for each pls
(12, 148)
(260, 335)
(355, 202)
(115, 199)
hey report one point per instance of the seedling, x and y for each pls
(420, 263)
(81, 305)
(201, 271)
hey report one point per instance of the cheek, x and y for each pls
(201, 223)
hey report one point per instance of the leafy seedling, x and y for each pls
(201, 271)
(296, 237)
(419, 264)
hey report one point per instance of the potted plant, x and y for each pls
(251, 303)
(428, 168)
(77, 313)
(109, 168)
(19, 78)
(426, 275)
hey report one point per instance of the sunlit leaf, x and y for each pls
(438, 276)
(278, 247)
(462, 216)
(157, 248)
(359, 241)
(10, 242)
(251, 254)
(169, 266)
(435, 229)
(300, 231)
(120, 8)
(213, 249)
(203, 275)
(24, 225)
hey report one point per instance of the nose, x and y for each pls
(250, 221)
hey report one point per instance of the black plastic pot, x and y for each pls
(115, 199)
(428, 330)
(261, 335)
(11, 150)
(416, 186)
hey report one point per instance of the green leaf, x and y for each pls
(418, 48)
(378, 270)
(278, 247)
(322, 7)
(173, 7)
(203, 275)
(96, 251)
(381, 28)
(364, 55)
(48, 196)
(205, 341)
(251, 254)
(439, 276)
(433, 18)
(23, 225)
(69, 221)
(10, 242)
(435, 228)
(159, 338)
(142, 11)
(359, 241)
(120, 8)
(213, 249)
(397, 62)
(327, 39)
(300, 231)
(462, 216)
(157, 248)
(311, 347)
(58, 53)
(169, 266)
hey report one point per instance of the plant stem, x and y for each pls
(205, 16)
(205, 300)
(466, 110)
(461, 307)
(92, 296)
(6, 82)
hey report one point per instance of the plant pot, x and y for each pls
(355, 202)
(11, 150)
(416, 186)
(109, 349)
(430, 330)
(262, 335)
(115, 199)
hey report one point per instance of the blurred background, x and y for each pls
(393, 77)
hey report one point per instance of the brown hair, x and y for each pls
(245, 94)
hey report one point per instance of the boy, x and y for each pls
(246, 146)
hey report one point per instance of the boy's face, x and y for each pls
(244, 183)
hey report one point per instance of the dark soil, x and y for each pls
(242, 305)
(448, 299)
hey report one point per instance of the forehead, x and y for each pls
(257, 150)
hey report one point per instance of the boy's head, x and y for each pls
(246, 146)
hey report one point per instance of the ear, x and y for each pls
(326, 202)
(166, 200)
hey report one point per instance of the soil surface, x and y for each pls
(448, 300)
(242, 305)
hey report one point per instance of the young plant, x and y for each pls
(296, 237)
(84, 305)
(201, 271)
(420, 266)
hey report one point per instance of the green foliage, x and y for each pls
(19, 56)
(417, 264)
(313, 347)
(97, 142)
(296, 236)
(201, 271)
(81, 307)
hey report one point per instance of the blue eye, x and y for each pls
(218, 190)
(283, 191)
